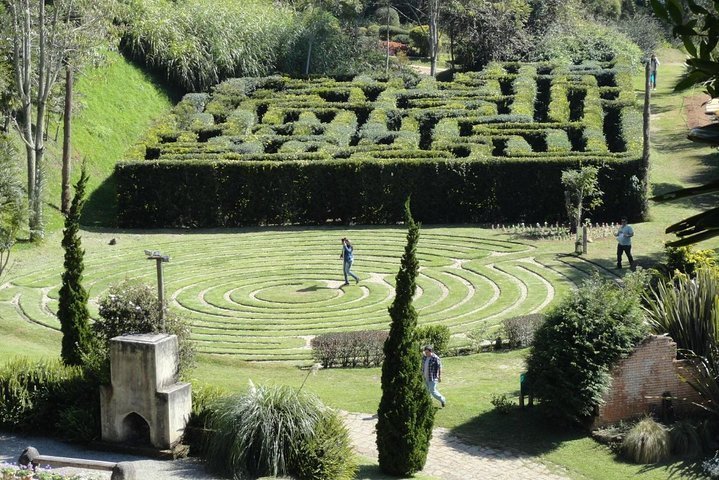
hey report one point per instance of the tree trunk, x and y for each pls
(67, 124)
(433, 35)
(386, 64)
(309, 56)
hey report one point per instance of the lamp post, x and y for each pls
(159, 259)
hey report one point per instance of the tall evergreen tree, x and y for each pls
(72, 311)
(406, 414)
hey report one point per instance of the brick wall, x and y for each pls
(639, 381)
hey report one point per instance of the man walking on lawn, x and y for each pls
(624, 243)
(432, 373)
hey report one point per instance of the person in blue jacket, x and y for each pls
(348, 256)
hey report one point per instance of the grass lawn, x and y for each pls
(227, 279)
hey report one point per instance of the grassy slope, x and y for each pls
(470, 381)
(115, 104)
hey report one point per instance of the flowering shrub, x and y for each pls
(14, 472)
(394, 47)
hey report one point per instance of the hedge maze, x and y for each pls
(263, 295)
(488, 146)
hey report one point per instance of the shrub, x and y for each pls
(685, 440)
(266, 432)
(132, 308)
(419, 37)
(502, 404)
(520, 331)
(48, 397)
(349, 349)
(328, 454)
(435, 335)
(687, 260)
(380, 16)
(646, 442)
(580, 340)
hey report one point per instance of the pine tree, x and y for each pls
(406, 414)
(72, 311)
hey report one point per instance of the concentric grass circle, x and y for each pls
(262, 295)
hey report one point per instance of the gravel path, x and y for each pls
(449, 458)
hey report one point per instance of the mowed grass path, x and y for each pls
(263, 294)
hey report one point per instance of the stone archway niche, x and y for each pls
(144, 405)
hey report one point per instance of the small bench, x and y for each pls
(30, 457)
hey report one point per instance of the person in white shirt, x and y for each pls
(624, 243)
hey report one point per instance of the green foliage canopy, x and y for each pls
(406, 415)
(581, 339)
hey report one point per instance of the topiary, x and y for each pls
(380, 16)
(419, 37)
(580, 340)
(646, 442)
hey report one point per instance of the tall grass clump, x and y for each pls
(646, 442)
(275, 431)
(196, 43)
(685, 439)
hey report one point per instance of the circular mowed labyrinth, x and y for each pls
(262, 295)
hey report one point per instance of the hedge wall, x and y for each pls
(489, 146)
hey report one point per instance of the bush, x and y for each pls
(419, 38)
(520, 331)
(582, 40)
(646, 442)
(328, 454)
(268, 430)
(349, 349)
(685, 440)
(380, 16)
(502, 404)
(435, 335)
(687, 260)
(577, 345)
(132, 308)
(48, 397)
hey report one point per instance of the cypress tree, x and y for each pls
(72, 311)
(406, 414)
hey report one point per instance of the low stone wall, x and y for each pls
(640, 380)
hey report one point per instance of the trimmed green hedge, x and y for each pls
(277, 150)
(231, 194)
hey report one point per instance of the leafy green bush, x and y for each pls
(585, 40)
(687, 260)
(502, 404)
(47, 397)
(577, 345)
(646, 442)
(328, 454)
(435, 335)
(380, 16)
(131, 308)
(268, 430)
(419, 37)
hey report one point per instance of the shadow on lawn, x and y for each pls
(524, 431)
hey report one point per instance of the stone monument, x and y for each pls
(144, 406)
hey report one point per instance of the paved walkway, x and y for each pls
(449, 458)
(452, 459)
